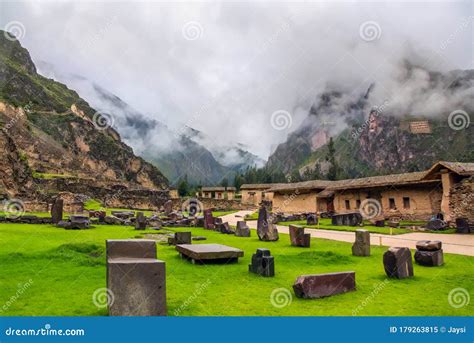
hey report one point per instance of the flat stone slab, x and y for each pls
(209, 252)
(324, 285)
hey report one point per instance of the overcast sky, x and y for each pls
(225, 68)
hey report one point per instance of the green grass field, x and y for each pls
(63, 268)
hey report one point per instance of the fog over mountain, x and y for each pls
(225, 69)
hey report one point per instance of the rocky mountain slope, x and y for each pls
(371, 141)
(49, 132)
(177, 152)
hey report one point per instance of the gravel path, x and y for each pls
(452, 243)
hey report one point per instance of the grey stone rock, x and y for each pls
(136, 280)
(361, 246)
(429, 258)
(263, 263)
(397, 263)
(324, 285)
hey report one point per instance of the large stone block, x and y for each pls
(429, 258)
(208, 220)
(182, 238)
(136, 280)
(57, 210)
(298, 238)
(463, 226)
(266, 230)
(242, 229)
(263, 263)
(140, 221)
(436, 225)
(429, 245)
(312, 219)
(347, 219)
(361, 246)
(131, 248)
(225, 228)
(324, 285)
(397, 263)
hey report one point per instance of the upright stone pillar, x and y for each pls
(361, 246)
(397, 263)
(298, 238)
(136, 280)
(266, 230)
(57, 210)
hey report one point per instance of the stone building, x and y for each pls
(227, 193)
(445, 188)
(253, 194)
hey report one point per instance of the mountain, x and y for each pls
(408, 133)
(178, 152)
(50, 132)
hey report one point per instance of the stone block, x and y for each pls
(136, 280)
(77, 223)
(312, 219)
(224, 228)
(397, 263)
(436, 225)
(208, 220)
(131, 248)
(182, 238)
(462, 226)
(266, 230)
(429, 245)
(57, 210)
(361, 246)
(298, 238)
(263, 263)
(242, 229)
(140, 221)
(347, 219)
(324, 285)
(429, 258)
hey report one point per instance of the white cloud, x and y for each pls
(251, 58)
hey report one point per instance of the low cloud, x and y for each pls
(224, 68)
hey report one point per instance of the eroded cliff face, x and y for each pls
(48, 131)
(381, 141)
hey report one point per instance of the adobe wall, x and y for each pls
(424, 201)
(248, 198)
(295, 202)
(208, 203)
(462, 199)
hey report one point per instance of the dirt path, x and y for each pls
(452, 243)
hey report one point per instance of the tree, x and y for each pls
(183, 187)
(331, 158)
(238, 181)
(225, 182)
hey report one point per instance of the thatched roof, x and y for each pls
(259, 186)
